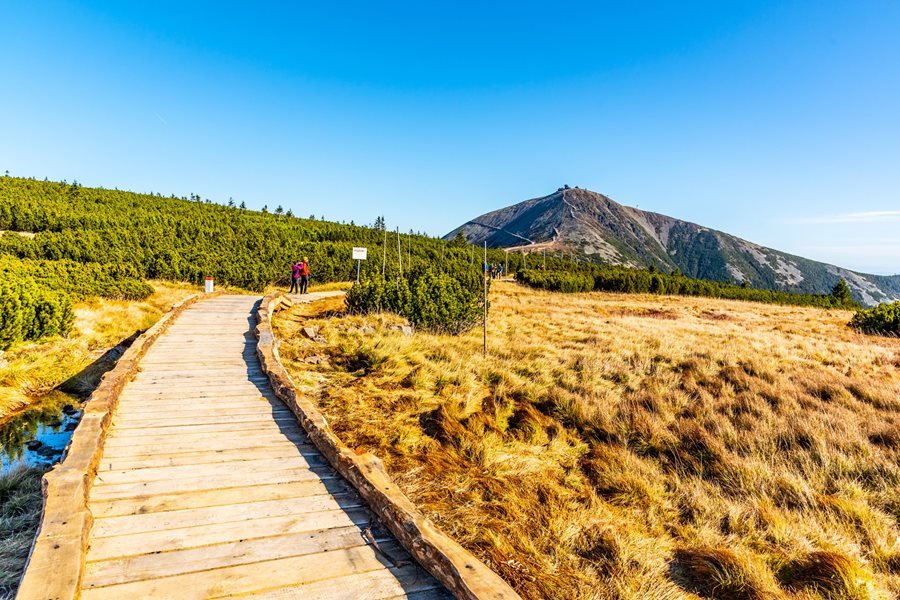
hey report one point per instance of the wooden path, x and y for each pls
(208, 487)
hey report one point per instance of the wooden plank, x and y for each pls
(244, 579)
(181, 374)
(163, 435)
(175, 562)
(409, 582)
(211, 515)
(179, 409)
(211, 470)
(128, 490)
(155, 459)
(202, 444)
(283, 423)
(199, 498)
(122, 546)
(123, 422)
(219, 393)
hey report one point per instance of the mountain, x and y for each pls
(585, 222)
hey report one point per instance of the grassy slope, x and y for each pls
(34, 367)
(635, 447)
(20, 514)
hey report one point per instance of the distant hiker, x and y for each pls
(304, 275)
(295, 277)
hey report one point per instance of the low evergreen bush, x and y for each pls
(29, 311)
(432, 299)
(883, 319)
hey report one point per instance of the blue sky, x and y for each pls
(775, 121)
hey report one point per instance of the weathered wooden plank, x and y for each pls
(409, 582)
(210, 470)
(270, 432)
(224, 416)
(242, 579)
(280, 423)
(197, 536)
(201, 498)
(125, 490)
(175, 562)
(181, 410)
(210, 515)
(155, 459)
(202, 444)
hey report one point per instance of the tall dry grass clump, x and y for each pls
(616, 446)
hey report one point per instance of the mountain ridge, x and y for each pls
(579, 221)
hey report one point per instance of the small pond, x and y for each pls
(38, 435)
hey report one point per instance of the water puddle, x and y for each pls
(37, 436)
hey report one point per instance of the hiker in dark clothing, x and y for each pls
(304, 275)
(295, 277)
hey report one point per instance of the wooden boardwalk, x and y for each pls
(208, 488)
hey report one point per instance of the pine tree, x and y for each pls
(841, 293)
(279, 210)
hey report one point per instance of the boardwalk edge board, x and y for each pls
(56, 562)
(455, 567)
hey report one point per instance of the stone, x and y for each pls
(69, 409)
(34, 444)
(310, 332)
(367, 330)
(315, 359)
(49, 451)
(319, 340)
(407, 330)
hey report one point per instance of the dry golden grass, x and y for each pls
(30, 369)
(617, 446)
(20, 513)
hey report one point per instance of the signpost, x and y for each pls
(359, 254)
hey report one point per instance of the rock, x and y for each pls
(310, 332)
(69, 409)
(34, 445)
(407, 330)
(49, 451)
(71, 425)
(316, 359)
(320, 340)
(367, 330)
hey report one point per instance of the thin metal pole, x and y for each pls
(384, 250)
(357, 270)
(485, 276)
(506, 266)
(399, 252)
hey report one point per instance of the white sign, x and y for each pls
(360, 253)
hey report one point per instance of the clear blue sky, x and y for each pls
(775, 121)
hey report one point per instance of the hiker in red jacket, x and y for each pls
(295, 277)
(304, 275)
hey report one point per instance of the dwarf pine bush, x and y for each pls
(883, 319)
(430, 298)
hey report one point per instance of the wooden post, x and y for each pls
(399, 252)
(384, 250)
(484, 274)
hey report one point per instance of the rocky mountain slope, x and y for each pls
(585, 222)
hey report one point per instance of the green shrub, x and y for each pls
(604, 278)
(883, 319)
(431, 299)
(29, 312)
